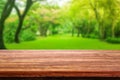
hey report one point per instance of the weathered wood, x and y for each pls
(78, 63)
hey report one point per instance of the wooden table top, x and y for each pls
(78, 63)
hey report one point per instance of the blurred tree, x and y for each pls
(2, 3)
(4, 15)
(106, 10)
(47, 18)
(21, 18)
(106, 13)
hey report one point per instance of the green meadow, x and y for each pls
(64, 43)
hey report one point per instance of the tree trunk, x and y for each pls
(113, 33)
(17, 40)
(101, 32)
(4, 15)
(2, 45)
(78, 34)
(113, 30)
(72, 32)
(21, 19)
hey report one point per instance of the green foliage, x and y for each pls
(92, 36)
(28, 32)
(10, 30)
(106, 13)
(28, 35)
(95, 19)
(47, 18)
(113, 40)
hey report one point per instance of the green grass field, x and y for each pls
(62, 43)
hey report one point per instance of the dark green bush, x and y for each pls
(117, 30)
(28, 35)
(9, 37)
(113, 40)
(93, 36)
(9, 32)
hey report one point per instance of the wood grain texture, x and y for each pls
(78, 63)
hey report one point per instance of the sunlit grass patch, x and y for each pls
(62, 43)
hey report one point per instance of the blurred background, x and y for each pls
(61, 24)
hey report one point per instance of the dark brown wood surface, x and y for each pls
(78, 63)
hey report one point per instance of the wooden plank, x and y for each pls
(56, 63)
